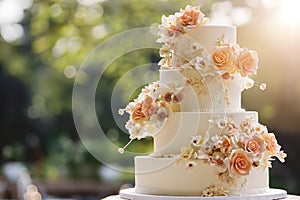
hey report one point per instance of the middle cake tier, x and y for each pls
(205, 92)
(179, 130)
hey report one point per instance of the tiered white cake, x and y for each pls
(205, 144)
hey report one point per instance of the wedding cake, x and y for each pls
(205, 144)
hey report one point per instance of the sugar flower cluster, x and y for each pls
(180, 23)
(235, 150)
(226, 58)
(231, 58)
(149, 111)
(174, 26)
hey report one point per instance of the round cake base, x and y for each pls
(270, 195)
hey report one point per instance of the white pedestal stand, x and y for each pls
(272, 194)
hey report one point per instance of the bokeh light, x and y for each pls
(70, 71)
(12, 32)
(11, 13)
(290, 14)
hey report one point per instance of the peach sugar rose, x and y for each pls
(240, 163)
(222, 57)
(247, 62)
(190, 17)
(144, 110)
(255, 145)
(137, 113)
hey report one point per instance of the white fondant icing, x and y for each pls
(166, 176)
(182, 126)
(205, 36)
(212, 93)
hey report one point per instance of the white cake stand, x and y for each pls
(272, 194)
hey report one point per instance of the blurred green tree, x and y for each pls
(38, 68)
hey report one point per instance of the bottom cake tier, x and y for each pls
(168, 176)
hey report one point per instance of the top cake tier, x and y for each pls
(202, 64)
(205, 87)
(188, 46)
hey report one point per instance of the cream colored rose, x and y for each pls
(223, 58)
(271, 141)
(247, 62)
(255, 145)
(240, 163)
(146, 105)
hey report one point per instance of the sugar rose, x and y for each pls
(271, 141)
(147, 105)
(190, 16)
(247, 62)
(255, 145)
(222, 57)
(240, 163)
(137, 113)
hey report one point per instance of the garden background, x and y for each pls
(43, 44)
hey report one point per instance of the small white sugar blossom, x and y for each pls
(190, 164)
(121, 111)
(247, 83)
(197, 140)
(262, 86)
